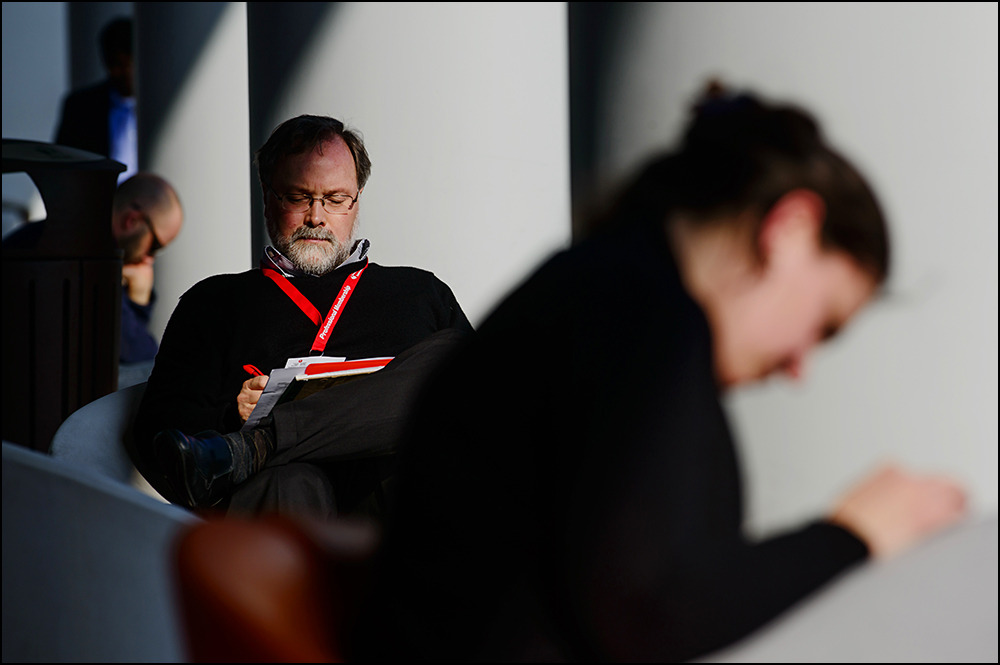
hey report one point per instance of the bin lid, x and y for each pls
(22, 155)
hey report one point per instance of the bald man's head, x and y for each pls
(146, 216)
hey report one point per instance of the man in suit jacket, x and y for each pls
(101, 118)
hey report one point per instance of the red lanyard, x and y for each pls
(336, 309)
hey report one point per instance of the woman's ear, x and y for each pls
(792, 225)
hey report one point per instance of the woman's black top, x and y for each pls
(570, 489)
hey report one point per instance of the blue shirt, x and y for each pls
(137, 344)
(123, 134)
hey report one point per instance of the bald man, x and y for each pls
(146, 217)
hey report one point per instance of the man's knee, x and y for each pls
(299, 489)
(432, 350)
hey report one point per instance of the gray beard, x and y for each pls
(311, 258)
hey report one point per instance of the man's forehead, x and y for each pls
(332, 154)
(335, 145)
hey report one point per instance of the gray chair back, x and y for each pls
(93, 437)
(87, 566)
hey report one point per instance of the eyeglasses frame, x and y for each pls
(313, 199)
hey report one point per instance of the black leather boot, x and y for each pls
(200, 467)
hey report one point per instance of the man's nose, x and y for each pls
(316, 215)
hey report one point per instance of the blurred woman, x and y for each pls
(570, 487)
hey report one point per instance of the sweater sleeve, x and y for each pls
(184, 390)
(710, 595)
(137, 344)
(669, 574)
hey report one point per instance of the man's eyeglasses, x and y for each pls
(156, 245)
(337, 204)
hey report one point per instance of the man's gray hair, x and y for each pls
(304, 134)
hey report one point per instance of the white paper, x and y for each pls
(309, 360)
(277, 381)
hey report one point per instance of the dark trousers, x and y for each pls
(336, 448)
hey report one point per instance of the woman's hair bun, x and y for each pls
(730, 121)
(741, 154)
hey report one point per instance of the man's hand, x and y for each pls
(137, 278)
(250, 395)
(892, 509)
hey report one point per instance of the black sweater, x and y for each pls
(228, 321)
(570, 488)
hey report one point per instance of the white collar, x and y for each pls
(275, 259)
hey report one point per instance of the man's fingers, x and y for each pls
(250, 395)
(257, 382)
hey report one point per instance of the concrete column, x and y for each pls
(277, 36)
(193, 127)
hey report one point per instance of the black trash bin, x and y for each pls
(61, 292)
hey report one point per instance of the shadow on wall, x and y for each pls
(595, 30)
(278, 35)
(165, 77)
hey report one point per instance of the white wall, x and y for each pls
(35, 68)
(201, 149)
(464, 111)
(35, 78)
(909, 93)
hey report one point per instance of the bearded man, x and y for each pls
(332, 452)
(146, 217)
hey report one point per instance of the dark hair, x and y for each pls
(740, 154)
(116, 37)
(306, 133)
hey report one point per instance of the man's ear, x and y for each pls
(131, 220)
(795, 221)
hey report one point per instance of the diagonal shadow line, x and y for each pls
(279, 34)
(187, 28)
(594, 38)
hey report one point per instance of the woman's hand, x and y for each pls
(893, 509)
